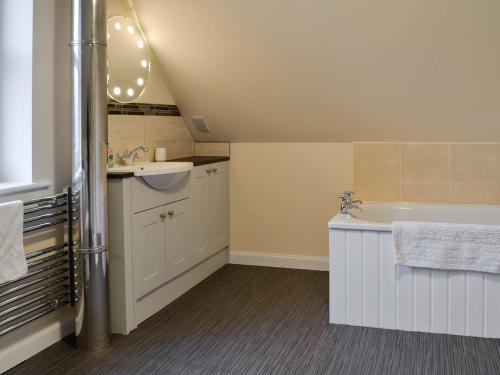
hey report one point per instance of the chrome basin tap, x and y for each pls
(128, 157)
(347, 203)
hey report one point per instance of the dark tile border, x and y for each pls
(142, 109)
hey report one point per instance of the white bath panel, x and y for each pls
(368, 289)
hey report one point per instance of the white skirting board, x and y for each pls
(25, 342)
(279, 260)
(368, 289)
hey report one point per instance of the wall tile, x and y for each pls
(117, 147)
(377, 170)
(425, 172)
(127, 132)
(114, 128)
(139, 109)
(211, 149)
(457, 173)
(156, 128)
(174, 150)
(133, 129)
(180, 150)
(475, 173)
(167, 129)
(130, 145)
(150, 154)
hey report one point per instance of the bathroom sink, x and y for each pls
(159, 175)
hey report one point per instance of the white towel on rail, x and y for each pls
(447, 246)
(12, 257)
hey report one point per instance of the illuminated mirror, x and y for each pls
(128, 60)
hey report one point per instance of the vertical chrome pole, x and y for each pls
(89, 143)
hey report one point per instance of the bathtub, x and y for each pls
(368, 289)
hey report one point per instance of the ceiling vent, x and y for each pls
(201, 124)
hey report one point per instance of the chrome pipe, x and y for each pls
(89, 181)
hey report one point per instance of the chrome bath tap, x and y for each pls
(347, 203)
(128, 157)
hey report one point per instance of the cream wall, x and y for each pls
(331, 70)
(283, 194)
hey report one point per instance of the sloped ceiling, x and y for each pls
(331, 70)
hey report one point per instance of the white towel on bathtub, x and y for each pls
(447, 246)
(12, 257)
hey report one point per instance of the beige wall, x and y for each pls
(456, 173)
(283, 194)
(331, 70)
(126, 132)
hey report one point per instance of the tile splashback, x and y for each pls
(127, 132)
(211, 149)
(428, 172)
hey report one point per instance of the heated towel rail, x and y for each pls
(50, 281)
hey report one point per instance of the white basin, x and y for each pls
(160, 175)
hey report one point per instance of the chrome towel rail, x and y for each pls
(49, 283)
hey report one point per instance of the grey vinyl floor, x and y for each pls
(258, 320)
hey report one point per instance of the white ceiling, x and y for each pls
(331, 70)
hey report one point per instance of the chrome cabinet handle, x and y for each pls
(171, 213)
(214, 170)
(163, 216)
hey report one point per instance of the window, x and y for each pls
(16, 81)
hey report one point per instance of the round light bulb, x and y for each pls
(117, 91)
(130, 92)
(140, 44)
(118, 26)
(144, 63)
(140, 81)
(130, 29)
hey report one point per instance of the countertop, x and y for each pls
(196, 160)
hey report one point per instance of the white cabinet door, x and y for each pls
(219, 210)
(200, 235)
(176, 232)
(148, 250)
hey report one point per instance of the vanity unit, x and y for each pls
(164, 237)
